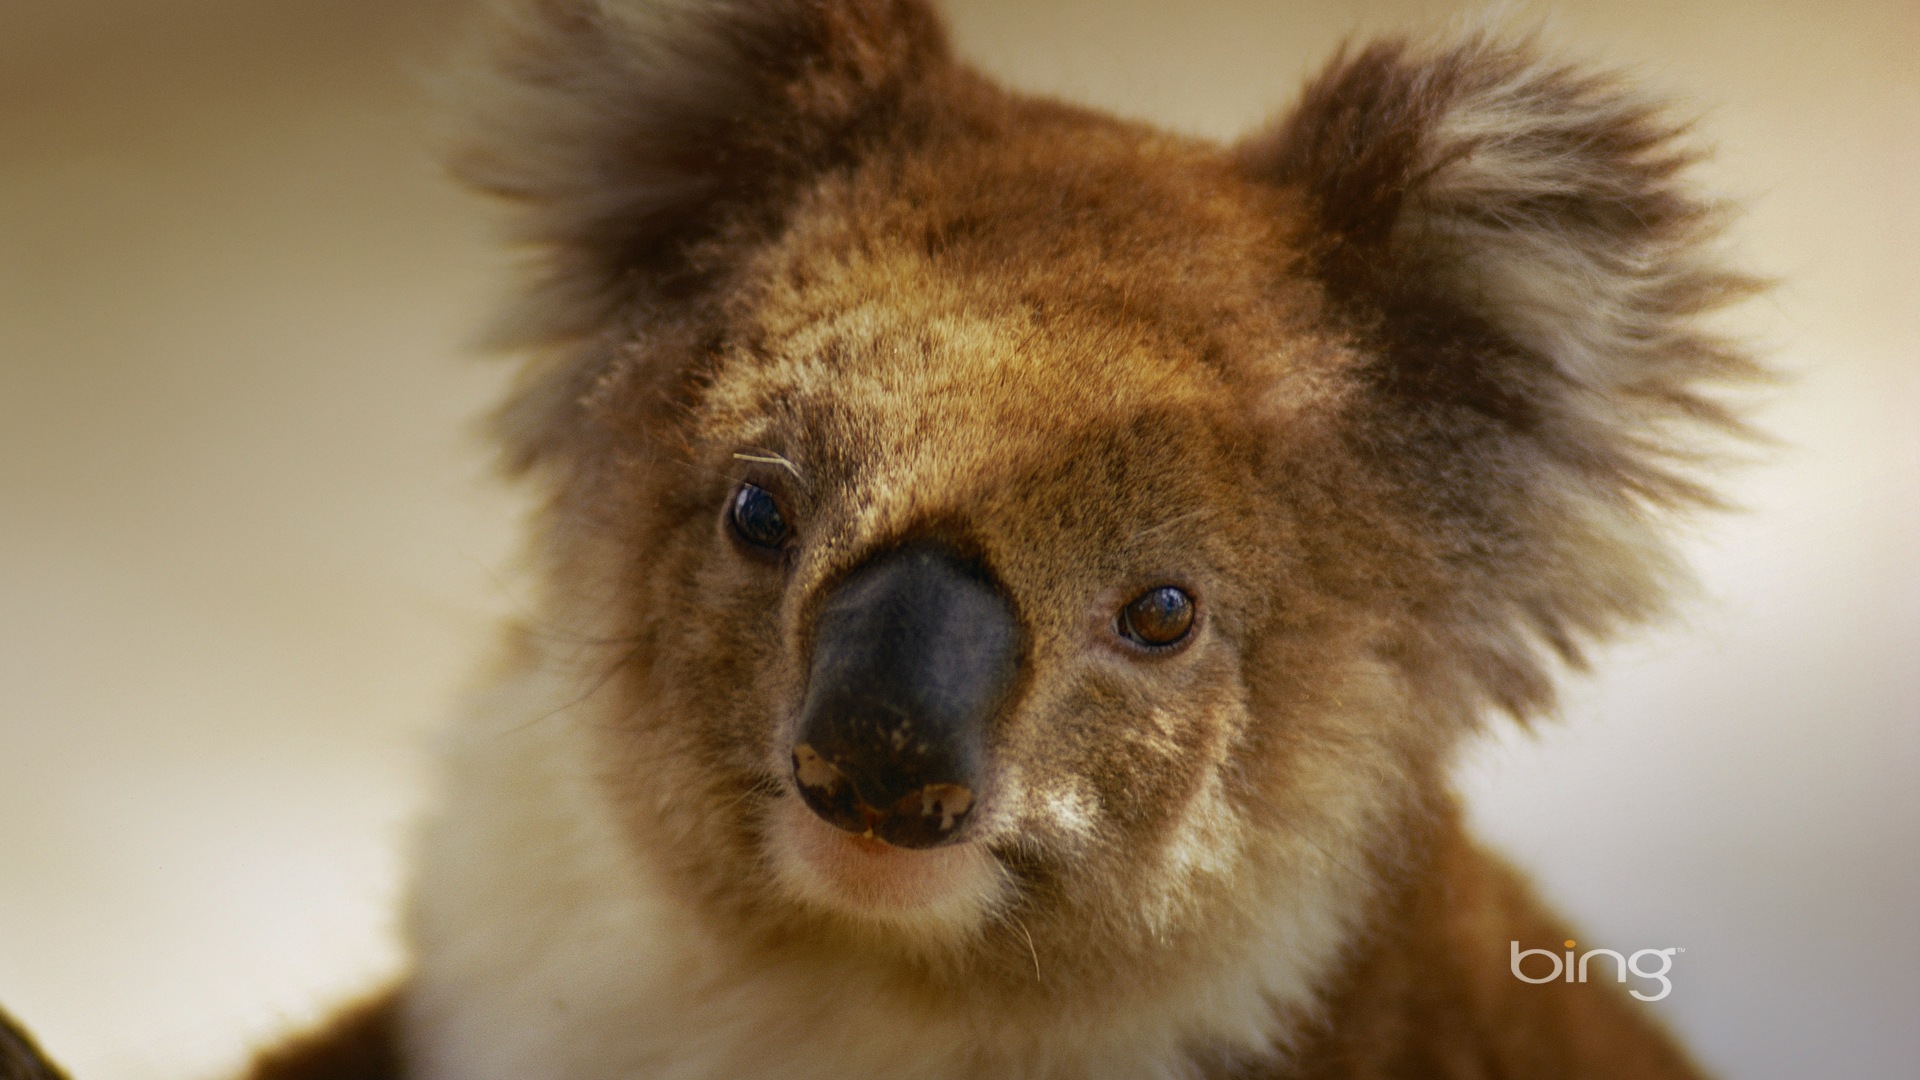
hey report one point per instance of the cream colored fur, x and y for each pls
(546, 946)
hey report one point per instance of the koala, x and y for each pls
(1012, 582)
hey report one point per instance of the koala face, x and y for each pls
(960, 594)
(988, 530)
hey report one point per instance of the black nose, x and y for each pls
(912, 655)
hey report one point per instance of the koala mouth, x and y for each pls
(861, 875)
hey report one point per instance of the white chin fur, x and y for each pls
(545, 945)
(947, 890)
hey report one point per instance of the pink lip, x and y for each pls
(870, 876)
(870, 843)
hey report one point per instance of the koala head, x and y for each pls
(991, 530)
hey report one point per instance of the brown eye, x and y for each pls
(1158, 618)
(756, 518)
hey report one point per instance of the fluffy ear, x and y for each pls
(643, 146)
(631, 132)
(1511, 244)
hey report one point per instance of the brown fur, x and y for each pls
(1434, 998)
(361, 1043)
(20, 1057)
(1398, 389)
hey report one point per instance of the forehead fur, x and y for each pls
(1033, 305)
(1092, 266)
(992, 283)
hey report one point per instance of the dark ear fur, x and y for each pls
(1510, 241)
(645, 143)
(629, 132)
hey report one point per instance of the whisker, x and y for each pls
(773, 459)
(1028, 935)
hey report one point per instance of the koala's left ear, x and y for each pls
(1511, 243)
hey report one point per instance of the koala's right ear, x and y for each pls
(630, 132)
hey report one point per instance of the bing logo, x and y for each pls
(1567, 969)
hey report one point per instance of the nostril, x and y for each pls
(828, 792)
(944, 804)
(927, 816)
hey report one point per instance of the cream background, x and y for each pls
(248, 547)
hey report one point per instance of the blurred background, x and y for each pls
(249, 547)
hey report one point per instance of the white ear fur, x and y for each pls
(1514, 241)
(1555, 195)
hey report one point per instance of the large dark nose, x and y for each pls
(913, 654)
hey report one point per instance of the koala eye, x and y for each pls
(756, 518)
(1158, 618)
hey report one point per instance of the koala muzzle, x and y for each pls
(913, 655)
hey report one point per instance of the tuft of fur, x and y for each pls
(1399, 390)
(630, 133)
(643, 145)
(1514, 239)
